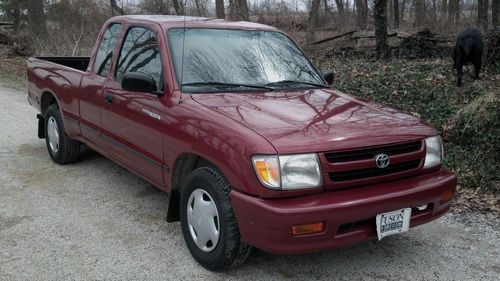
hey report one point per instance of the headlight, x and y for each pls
(434, 152)
(288, 172)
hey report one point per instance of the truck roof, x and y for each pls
(168, 21)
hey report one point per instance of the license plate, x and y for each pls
(393, 222)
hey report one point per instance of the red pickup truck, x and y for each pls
(236, 124)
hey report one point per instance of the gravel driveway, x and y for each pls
(93, 220)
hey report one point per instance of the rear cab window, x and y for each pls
(107, 46)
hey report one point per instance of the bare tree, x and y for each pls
(380, 17)
(403, 9)
(198, 7)
(238, 10)
(328, 11)
(178, 6)
(36, 18)
(390, 12)
(340, 6)
(419, 12)
(115, 7)
(495, 12)
(453, 11)
(219, 9)
(313, 20)
(16, 14)
(482, 14)
(396, 13)
(444, 8)
(362, 13)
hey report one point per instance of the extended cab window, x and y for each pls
(140, 53)
(106, 48)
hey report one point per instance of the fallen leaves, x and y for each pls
(477, 200)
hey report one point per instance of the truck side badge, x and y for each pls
(151, 114)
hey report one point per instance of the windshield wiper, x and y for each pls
(226, 85)
(288, 82)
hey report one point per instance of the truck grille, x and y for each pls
(373, 172)
(357, 167)
(355, 155)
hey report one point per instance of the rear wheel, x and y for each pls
(208, 222)
(61, 148)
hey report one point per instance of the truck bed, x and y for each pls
(79, 63)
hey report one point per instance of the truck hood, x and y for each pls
(316, 120)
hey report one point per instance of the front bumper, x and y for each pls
(349, 215)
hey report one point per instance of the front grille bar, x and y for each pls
(363, 154)
(373, 172)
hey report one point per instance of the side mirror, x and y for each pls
(140, 82)
(328, 76)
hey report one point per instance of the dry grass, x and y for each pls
(12, 69)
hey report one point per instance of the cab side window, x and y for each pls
(106, 47)
(140, 53)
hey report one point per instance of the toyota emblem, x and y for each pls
(382, 160)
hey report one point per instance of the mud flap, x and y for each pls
(173, 214)
(41, 126)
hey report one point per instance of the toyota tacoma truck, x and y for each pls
(252, 144)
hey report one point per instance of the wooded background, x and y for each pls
(69, 27)
(342, 35)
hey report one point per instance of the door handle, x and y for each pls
(108, 97)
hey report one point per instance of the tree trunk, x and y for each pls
(16, 14)
(36, 18)
(403, 9)
(396, 13)
(178, 7)
(238, 10)
(313, 20)
(495, 12)
(198, 8)
(444, 8)
(219, 9)
(328, 12)
(340, 6)
(482, 14)
(434, 11)
(361, 14)
(453, 11)
(380, 18)
(419, 13)
(390, 12)
(365, 13)
(115, 7)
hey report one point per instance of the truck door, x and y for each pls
(132, 122)
(92, 84)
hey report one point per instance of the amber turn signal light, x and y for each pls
(447, 196)
(305, 229)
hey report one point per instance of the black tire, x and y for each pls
(68, 149)
(230, 250)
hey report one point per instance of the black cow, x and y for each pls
(468, 49)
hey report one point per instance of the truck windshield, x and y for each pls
(239, 60)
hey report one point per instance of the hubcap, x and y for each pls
(203, 220)
(53, 134)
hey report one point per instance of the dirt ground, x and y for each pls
(93, 220)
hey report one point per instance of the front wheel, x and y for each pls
(61, 148)
(208, 222)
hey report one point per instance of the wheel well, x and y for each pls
(47, 99)
(184, 165)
